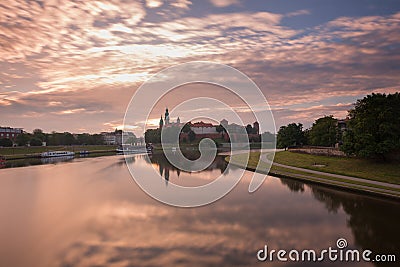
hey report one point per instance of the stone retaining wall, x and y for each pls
(322, 151)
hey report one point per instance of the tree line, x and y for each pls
(372, 129)
(37, 137)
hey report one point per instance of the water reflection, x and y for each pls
(91, 213)
(160, 162)
(55, 160)
(15, 163)
(374, 222)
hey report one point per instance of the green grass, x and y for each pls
(362, 168)
(6, 151)
(241, 160)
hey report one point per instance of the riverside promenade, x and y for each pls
(319, 177)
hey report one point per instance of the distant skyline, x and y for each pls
(74, 65)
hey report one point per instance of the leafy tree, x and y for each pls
(97, 139)
(5, 142)
(290, 135)
(191, 136)
(38, 133)
(83, 139)
(68, 139)
(53, 139)
(152, 136)
(249, 129)
(22, 139)
(35, 142)
(373, 126)
(57, 139)
(220, 128)
(323, 132)
(186, 128)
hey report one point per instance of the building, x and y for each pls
(208, 130)
(10, 133)
(166, 122)
(201, 128)
(109, 138)
(205, 130)
(117, 137)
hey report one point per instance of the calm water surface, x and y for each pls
(90, 212)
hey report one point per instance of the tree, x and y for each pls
(290, 135)
(186, 128)
(220, 128)
(5, 142)
(323, 132)
(35, 142)
(22, 139)
(191, 136)
(38, 133)
(97, 139)
(68, 139)
(373, 126)
(249, 129)
(153, 136)
(83, 139)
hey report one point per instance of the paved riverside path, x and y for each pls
(264, 158)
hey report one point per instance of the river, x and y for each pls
(90, 212)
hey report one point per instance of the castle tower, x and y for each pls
(166, 116)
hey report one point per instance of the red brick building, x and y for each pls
(10, 133)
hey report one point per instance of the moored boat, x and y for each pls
(130, 150)
(2, 161)
(50, 154)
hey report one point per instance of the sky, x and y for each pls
(74, 65)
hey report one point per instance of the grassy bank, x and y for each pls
(362, 168)
(365, 186)
(19, 152)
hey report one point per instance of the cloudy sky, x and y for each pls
(74, 65)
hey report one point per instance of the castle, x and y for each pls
(208, 130)
(167, 123)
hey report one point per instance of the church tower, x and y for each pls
(166, 116)
(178, 121)
(161, 122)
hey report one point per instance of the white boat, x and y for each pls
(131, 150)
(50, 154)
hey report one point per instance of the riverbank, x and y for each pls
(317, 172)
(11, 153)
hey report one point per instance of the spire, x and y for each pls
(161, 122)
(166, 116)
(178, 120)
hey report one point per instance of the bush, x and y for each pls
(5, 142)
(35, 142)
